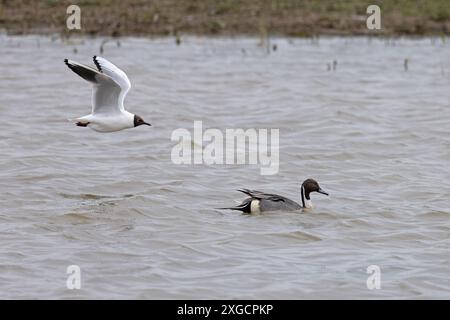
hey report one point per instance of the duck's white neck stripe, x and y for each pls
(303, 196)
(307, 203)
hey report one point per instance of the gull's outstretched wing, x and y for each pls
(107, 94)
(106, 67)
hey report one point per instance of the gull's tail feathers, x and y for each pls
(80, 122)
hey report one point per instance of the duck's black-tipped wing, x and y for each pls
(262, 195)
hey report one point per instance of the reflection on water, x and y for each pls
(374, 135)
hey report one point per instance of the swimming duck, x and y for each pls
(260, 201)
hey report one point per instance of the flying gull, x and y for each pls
(110, 85)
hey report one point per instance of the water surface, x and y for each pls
(374, 135)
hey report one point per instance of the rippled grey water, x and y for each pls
(374, 135)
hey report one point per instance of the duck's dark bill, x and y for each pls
(322, 192)
(147, 124)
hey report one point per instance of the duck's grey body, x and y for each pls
(259, 201)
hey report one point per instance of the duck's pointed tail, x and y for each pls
(244, 206)
(232, 208)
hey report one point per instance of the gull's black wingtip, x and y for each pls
(99, 67)
(66, 61)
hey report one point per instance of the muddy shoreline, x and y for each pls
(226, 18)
